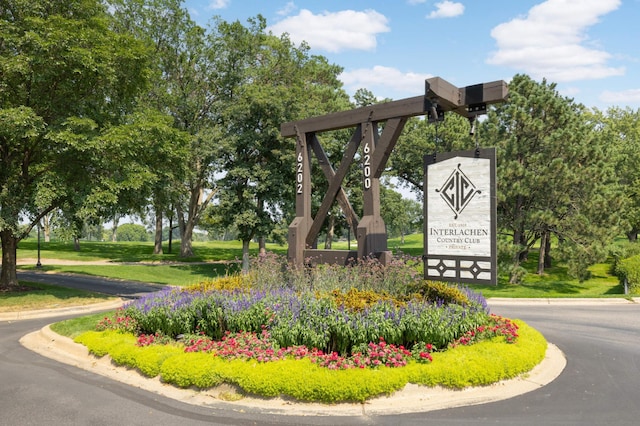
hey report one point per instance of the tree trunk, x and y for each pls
(186, 248)
(186, 236)
(262, 245)
(114, 230)
(547, 252)
(632, 235)
(245, 256)
(543, 252)
(76, 243)
(8, 274)
(197, 204)
(330, 232)
(46, 227)
(157, 247)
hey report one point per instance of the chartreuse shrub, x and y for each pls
(481, 363)
(101, 343)
(148, 359)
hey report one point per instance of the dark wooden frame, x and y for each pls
(371, 235)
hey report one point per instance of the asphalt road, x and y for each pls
(599, 386)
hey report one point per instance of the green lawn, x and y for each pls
(134, 261)
(43, 296)
(136, 251)
(554, 283)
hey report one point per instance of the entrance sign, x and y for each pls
(376, 129)
(460, 216)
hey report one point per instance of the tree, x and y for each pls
(419, 138)
(132, 232)
(267, 80)
(64, 77)
(620, 129)
(401, 215)
(553, 177)
(177, 45)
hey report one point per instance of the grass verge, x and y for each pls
(44, 296)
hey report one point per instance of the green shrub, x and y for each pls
(484, 362)
(148, 359)
(479, 364)
(621, 251)
(131, 232)
(191, 369)
(629, 269)
(101, 343)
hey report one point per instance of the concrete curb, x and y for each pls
(502, 301)
(411, 399)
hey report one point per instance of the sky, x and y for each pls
(590, 48)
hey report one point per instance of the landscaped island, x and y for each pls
(326, 334)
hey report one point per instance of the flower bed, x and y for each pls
(247, 317)
(263, 337)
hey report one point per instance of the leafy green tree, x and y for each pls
(401, 215)
(64, 77)
(180, 158)
(132, 232)
(267, 80)
(158, 166)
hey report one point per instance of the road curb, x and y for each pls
(501, 301)
(411, 399)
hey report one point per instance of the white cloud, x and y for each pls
(287, 9)
(631, 96)
(551, 42)
(218, 4)
(334, 31)
(384, 81)
(447, 9)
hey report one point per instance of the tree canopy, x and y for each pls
(119, 106)
(64, 78)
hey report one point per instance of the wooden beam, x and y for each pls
(335, 185)
(437, 91)
(443, 93)
(409, 107)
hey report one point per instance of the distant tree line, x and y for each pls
(128, 107)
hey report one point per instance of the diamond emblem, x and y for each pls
(458, 191)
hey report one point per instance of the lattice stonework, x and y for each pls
(375, 146)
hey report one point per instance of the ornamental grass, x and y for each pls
(328, 309)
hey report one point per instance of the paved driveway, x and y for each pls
(599, 386)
